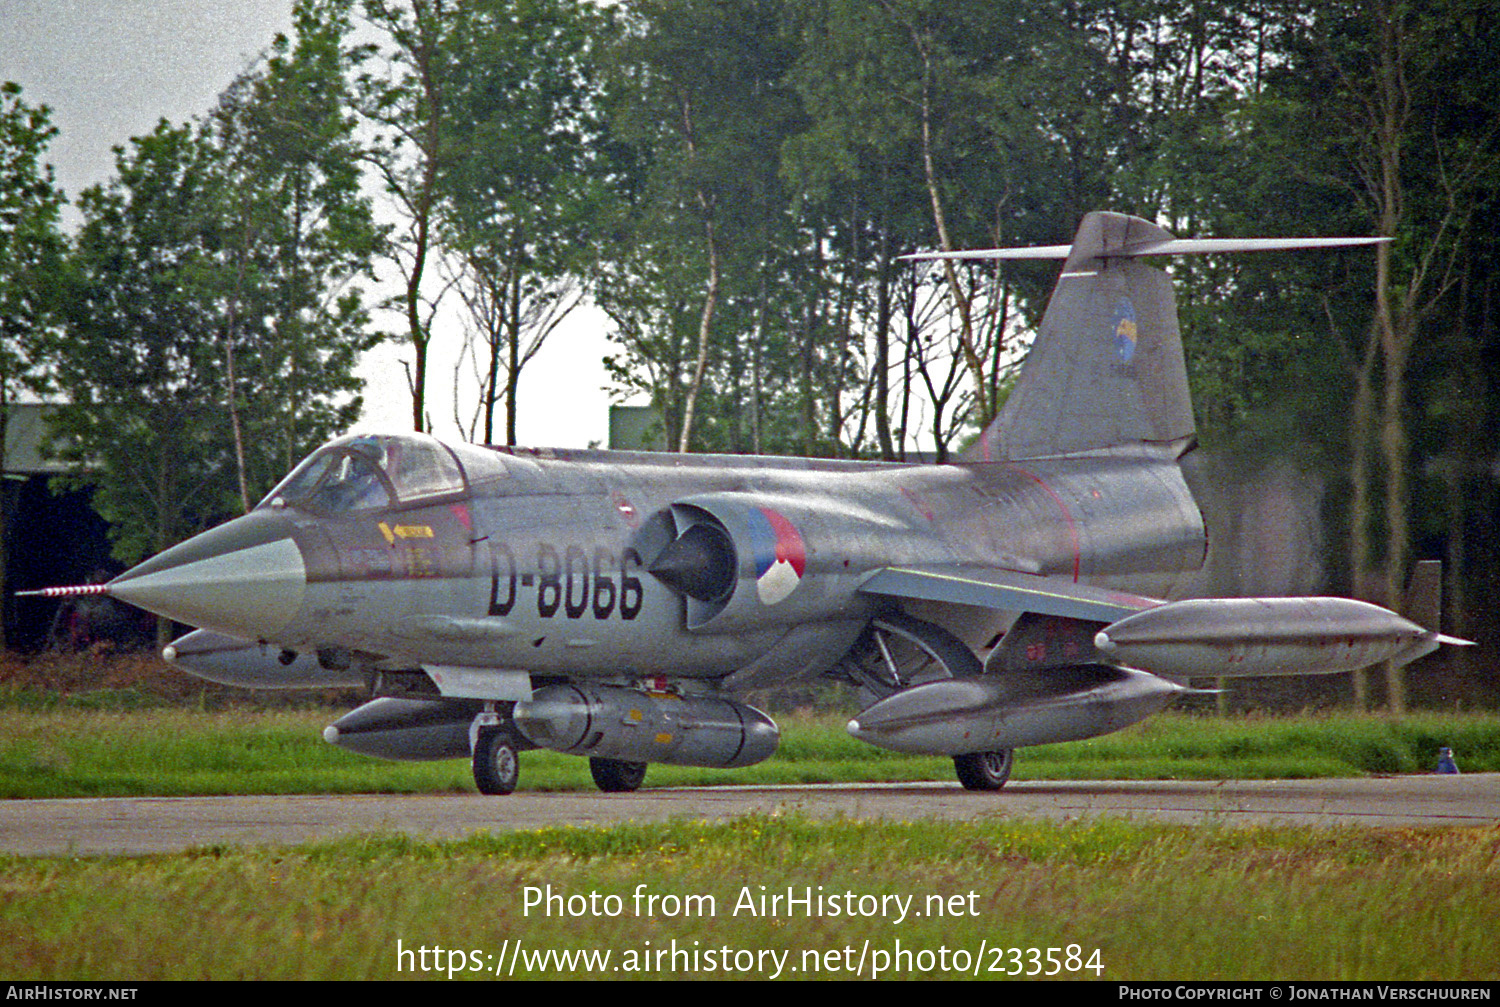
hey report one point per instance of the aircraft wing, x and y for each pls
(1232, 637)
(1007, 590)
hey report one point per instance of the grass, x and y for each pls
(1154, 901)
(68, 750)
(103, 724)
(1119, 900)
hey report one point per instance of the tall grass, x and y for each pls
(70, 752)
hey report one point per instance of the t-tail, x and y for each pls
(1106, 369)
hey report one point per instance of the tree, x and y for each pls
(406, 99)
(699, 97)
(927, 130)
(30, 256)
(525, 183)
(139, 362)
(1417, 146)
(211, 325)
(295, 232)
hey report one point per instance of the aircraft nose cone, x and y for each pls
(245, 578)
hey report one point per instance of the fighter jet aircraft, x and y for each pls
(612, 605)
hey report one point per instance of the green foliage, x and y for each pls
(30, 244)
(31, 251)
(139, 363)
(1235, 119)
(524, 179)
(298, 233)
(489, 141)
(772, 162)
(1008, 120)
(400, 90)
(116, 744)
(211, 333)
(696, 94)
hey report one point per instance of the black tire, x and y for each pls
(497, 761)
(615, 776)
(984, 770)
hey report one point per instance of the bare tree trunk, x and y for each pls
(5, 498)
(982, 403)
(229, 378)
(810, 316)
(755, 351)
(419, 125)
(1392, 107)
(705, 327)
(883, 348)
(513, 372)
(1361, 429)
(710, 296)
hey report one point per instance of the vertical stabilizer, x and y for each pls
(1424, 594)
(1106, 368)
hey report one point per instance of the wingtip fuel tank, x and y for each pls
(1263, 636)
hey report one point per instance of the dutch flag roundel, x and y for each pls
(780, 556)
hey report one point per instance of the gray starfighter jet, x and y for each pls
(611, 605)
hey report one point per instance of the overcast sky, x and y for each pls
(110, 69)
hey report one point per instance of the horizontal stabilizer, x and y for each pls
(1106, 368)
(1033, 252)
(1140, 249)
(1006, 590)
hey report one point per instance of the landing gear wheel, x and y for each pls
(497, 761)
(984, 770)
(615, 776)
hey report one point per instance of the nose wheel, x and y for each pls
(497, 761)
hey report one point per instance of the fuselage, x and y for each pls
(405, 552)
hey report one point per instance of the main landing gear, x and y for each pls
(497, 766)
(984, 770)
(497, 745)
(616, 776)
(898, 652)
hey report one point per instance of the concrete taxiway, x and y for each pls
(168, 824)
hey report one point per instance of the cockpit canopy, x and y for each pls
(369, 472)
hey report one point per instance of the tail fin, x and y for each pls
(1106, 368)
(1423, 605)
(1424, 594)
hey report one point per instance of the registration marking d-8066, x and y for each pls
(575, 582)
